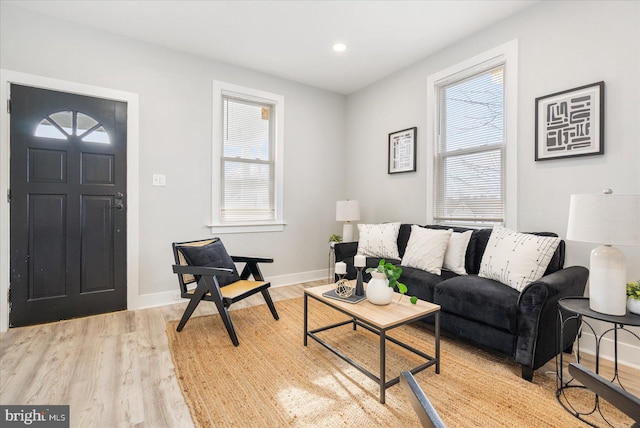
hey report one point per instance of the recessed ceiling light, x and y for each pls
(339, 47)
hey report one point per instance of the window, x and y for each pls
(247, 161)
(473, 165)
(61, 125)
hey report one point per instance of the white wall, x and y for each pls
(175, 93)
(561, 45)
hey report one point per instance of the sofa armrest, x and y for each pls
(569, 281)
(344, 250)
(537, 314)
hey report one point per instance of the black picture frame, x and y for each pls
(570, 123)
(402, 151)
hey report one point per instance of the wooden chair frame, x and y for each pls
(208, 288)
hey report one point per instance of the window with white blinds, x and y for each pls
(469, 149)
(247, 165)
(247, 161)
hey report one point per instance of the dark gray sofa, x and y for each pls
(485, 312)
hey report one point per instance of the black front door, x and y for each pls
(68, 206)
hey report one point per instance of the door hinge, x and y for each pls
(9, 106)
(8, 196)
(9, 295)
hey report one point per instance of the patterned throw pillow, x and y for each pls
(454, 258)
(516, 259)
(379, 240)
(426, 249)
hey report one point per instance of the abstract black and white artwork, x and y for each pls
(570, 123)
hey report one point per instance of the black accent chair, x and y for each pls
(427, 414)
(627, 403)
(207, 263)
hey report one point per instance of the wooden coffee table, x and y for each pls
(377, 319)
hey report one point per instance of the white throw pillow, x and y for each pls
(379, 240)
(426, 248)
(516, 259)
(456, 253)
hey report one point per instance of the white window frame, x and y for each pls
(506, 54)
(221, 89)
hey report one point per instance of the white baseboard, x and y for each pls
(297, 278)
(153, 300)
(628, 354)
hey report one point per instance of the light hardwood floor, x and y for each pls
(115, 370)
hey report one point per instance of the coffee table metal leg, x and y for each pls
(437, 328)
(383, 369)
(306, 304)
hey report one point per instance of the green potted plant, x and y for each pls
(383, 280)
(633, 297)
(334, 239)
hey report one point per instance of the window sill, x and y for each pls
(221, 228)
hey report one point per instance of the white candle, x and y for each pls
(341, 268)
(359, 260)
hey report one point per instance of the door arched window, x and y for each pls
(63, 124)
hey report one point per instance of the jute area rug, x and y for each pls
(272, 380)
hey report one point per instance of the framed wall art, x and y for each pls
(402, 151)
(570, 123)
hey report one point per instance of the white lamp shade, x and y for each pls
(612, 219)
(347, 211)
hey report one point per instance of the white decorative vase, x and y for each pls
(378, 290)
(633, 306)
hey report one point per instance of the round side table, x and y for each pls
(576, 310)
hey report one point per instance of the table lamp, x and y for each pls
(607, 219)
(347, 211)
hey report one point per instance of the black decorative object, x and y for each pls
(359, 283)
(570, 123)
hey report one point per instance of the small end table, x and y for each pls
(578, 309)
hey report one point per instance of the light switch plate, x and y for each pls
(159, 180)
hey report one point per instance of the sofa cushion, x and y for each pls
(479, 299)
(475, 250)
(455, 256)
(419, 283)
(517, 259)
(403, 238)
(426, 249)
(379, 240)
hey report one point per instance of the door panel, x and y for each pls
(47, 252)
(97, 169)
(68, 205)
(47, 166)
(97, 244)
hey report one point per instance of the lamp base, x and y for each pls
(607, 281)
(347, 232)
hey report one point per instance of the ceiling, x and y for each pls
(293, 39)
